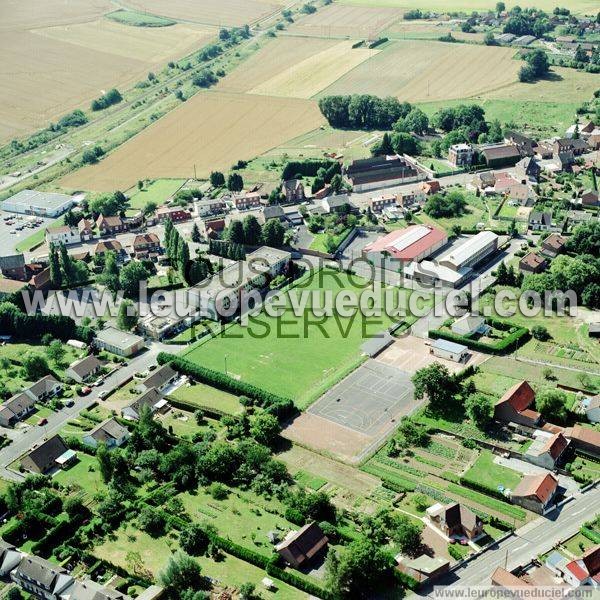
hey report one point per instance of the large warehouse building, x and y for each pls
(404, 246)
(471, 252)
(382, 171)
(41, 204)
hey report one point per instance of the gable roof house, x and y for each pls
(159, 379)
(514, 406)
(109, 246)
(110, 432)
(546, 451)
(535, 492)
(592, 409)
(423, 568)
(152, 399)
(273, 211)
(554, 244)
(502, 155)
(584, 570)
(110, 225)
(470, 325)
(86, 229)
(145, 245)
(540, 221)
(44, 458)
(301, 546)
(293, 190)
(83, 369)
(10, 557)
(589, 198)
(90, 590)
(41, 578)
(456, 520)
(528, 170)
(526, 145)
(505, 579)
(44, 388)
(13, 267)
(15, 409)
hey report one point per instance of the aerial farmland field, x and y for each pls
(337, 20)
(210, 131)
(73, 55)
(424, 71)
(212, 12)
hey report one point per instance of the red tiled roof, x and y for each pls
(541, 486)
(584, 434)
(392, 242)
(520, 396)
(577, 571)
(591, 559)
(556, 445)
(503, 578)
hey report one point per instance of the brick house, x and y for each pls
(554, 244)
(293, 190)
(176, 214)
(86, 229)
(247, 201)
(535, 492)
(110, 225)
(145, 245)
(302, 545)
(514, 406)
(456, 520)
(532, 263)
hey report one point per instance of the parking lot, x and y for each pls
(21, 226)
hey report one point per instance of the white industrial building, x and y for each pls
(449, 351)
(471, 252)
(41, 204)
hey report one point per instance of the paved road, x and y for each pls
(528, 542)
(23, 440)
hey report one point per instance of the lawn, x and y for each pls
(157, 192)
(84, 475)
(205, 396)
(309, 480)
(41, 412)
(488, 473)
(183, 423)
(476, 212)
(37, 238)
(319, 242)
(578, 544)
(297, 354)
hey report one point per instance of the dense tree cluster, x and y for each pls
(537, 66)
(250, 232)
(111, 97)
(527, 21)
(177, 249)
(109, 204)
(64, 269)
(450, 204)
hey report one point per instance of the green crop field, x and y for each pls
(139, 19)
(293, 355)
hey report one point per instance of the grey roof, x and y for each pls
(12, 261)
(85, 366)
(116, 337)
(149, 399)
(556, 559)
(110, 429)
(43, 385)
(338, 200)
(44, 200)
(273, 212)
(90, 590)
(45, 455)
(159, 377)
(449, 346)
(39, 570)
(18, 403)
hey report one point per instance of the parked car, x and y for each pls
(43, 421)
(69, 402)
(85, 390)
(103, 394)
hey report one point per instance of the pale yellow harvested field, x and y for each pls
(420, 71)
(272, 59)
(309, 76)
(429, 30)
(211, 12)
(211, 131)
(150, 44)
(337, 20)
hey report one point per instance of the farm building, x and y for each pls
(504, 155)
(471, 252)
(428, 272)
(382, 171)
(535, 492)
(546, 450)
(403, 246)
(41, 204)
(513, 407)
(449, 351)
(584, 439)
(119, 342)
(299, 547)
(592, 409)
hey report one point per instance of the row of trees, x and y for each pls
(250, 232)
(64, 269)
(177, 249)
(111, 97)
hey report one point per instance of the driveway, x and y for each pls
(526, 468)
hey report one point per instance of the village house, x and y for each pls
(423, 568)
(105, 246)
(449, 350)
(430, 187)
(274, 211)
(553, 245)
(411, 200)
(456, 521)
(86, 229)
(469, 325)
(247, 201)
(146, 245)
(41, 578)
(547, 450)
(176, 214)
(13, 266)
(540, 221)
(110, 433)
(40, 278)
(514, 406)
(209, 206)
(293, 190)
(532, 263)
(90, 590)
(584, 570)
(528, 170)
(502, 155)
(322, 193)
(151, 399)
(535, 492)
(460, 155)
(110, 225)
(62, 235)
(81, 370)
(519, 194)
(524, 144)
(299, 547)
(589, 198)
(44, 388)
(211, 228)
(378, 203)
(51, 454)
(15, 409)
(160, 379)
(339, 203)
